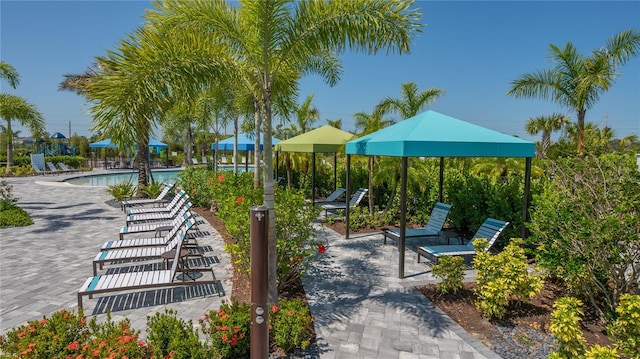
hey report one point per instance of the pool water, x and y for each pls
(110, 179)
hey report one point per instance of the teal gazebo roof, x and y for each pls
(432, 134)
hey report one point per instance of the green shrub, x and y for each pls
(599, 352)
(228, 329)
(565, 328)
(502, 278)
(451, 271)
(13, 216)
(152, 190)
(174, 338)
(625, 329)
(584, 226)
(122, 191)
(291, 325)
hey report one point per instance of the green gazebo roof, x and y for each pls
(325, 139)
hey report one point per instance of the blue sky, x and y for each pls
(472, 50)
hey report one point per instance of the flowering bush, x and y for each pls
(228, 329)
(174, 338)
(291, 325)
(46, 338)
(67, 335)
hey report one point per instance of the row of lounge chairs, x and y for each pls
(162, 256)
(63, 169)
(491, 229)
(332, 203)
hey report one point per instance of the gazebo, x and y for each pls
(325, 139)
(432, 134)
(246, 142)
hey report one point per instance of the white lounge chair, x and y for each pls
(159, 200)
(146, 242)
(490, 229)
(140, 253)
(433, 227)
(158, 216)
(167, 208)
(66, 169)
(157, 227)
(52, 168)
(127, 281)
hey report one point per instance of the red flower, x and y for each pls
(73, 346)
(322, 248)
(221, 178)
(193, 191)
(239, 199)
(274, 308)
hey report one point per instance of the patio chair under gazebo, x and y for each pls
(325, 139)
(246, 142)
(432, 134)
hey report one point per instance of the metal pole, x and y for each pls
(525, 197)
(259, 217)
(441, 183)
(335, 171)
(403, 217)
(313, 179)
(347, 184)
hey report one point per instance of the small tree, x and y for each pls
(585, 227)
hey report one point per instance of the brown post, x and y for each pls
(259, 217)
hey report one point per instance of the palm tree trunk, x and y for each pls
(187, 151)
(256, 152)
(9, 146)
(269, 199)
(546, 142)
(143, 163)
(581, 113)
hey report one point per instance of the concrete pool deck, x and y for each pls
(362, 309)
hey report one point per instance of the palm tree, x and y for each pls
(335, 123)
(576, 81)
(546, 124)
(408, 105)
(370, 123)
(276, 41)
(16, 108)
(411, 102)
(10, 74)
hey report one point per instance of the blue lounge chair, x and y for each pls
(433, 227)
(490, 229)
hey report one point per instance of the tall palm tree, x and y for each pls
(271, 38)
(576, 81)
(303, 118)
(546, 124)
(16, 108)
(370, 123)
(411, 102)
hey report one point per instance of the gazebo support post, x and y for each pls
(347, 185)
(441, 183)
(335, 171)
(246, 162)
(277, 177)
(313, 178)
(525, 197)
(403, 217)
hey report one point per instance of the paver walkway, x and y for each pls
(362, 308)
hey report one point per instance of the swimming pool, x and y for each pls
(110, 179)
